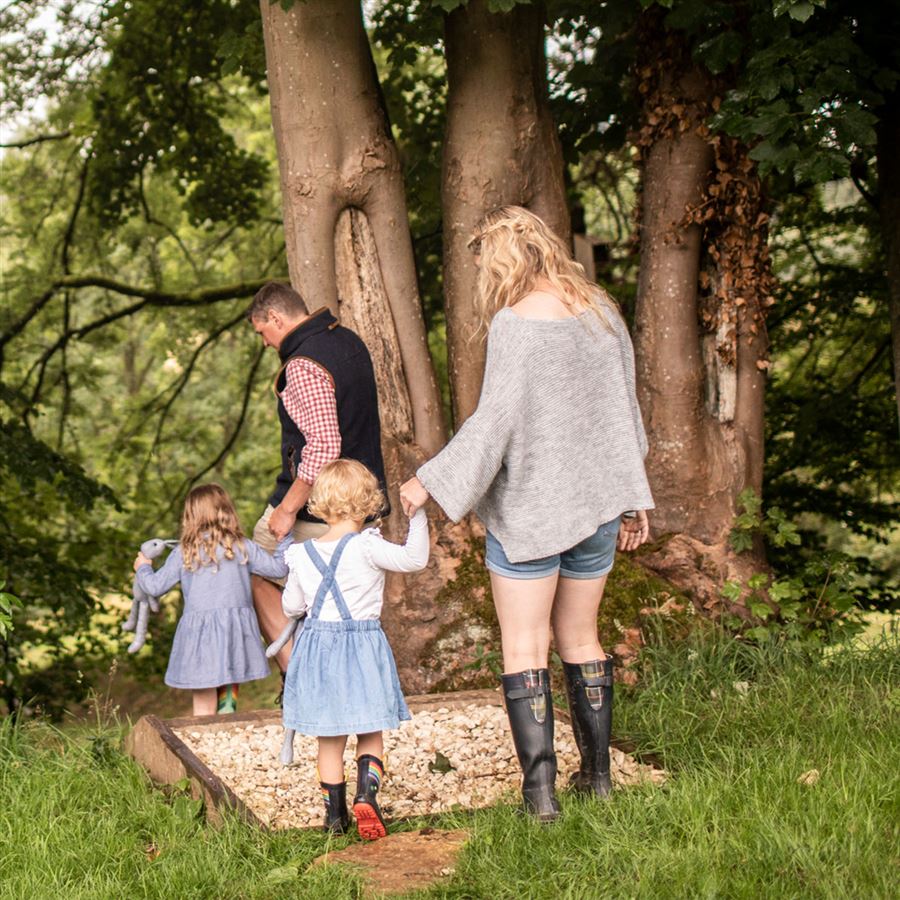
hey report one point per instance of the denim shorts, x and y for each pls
(591, 558)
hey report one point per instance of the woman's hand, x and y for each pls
(633, 532)
(141, 560)
(412, 496)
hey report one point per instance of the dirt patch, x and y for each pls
(402, 862)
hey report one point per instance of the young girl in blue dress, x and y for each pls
(217, 643)
(341, 679)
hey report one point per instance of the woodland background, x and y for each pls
(730, 170)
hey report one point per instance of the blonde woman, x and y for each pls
(341, 678)
(217, 643)
(552, 461)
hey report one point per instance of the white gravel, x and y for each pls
(475, 739)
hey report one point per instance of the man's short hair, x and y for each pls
(280, 297)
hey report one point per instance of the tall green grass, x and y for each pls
(735, 725)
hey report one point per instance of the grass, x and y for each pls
(735, 725)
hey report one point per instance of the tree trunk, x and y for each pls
(501, 147)
(349, 247)
(335, 152)
(413, 615)
(699, 336)
(888, 156)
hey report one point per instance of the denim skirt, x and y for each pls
(342, 679)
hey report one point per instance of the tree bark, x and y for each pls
(412, 613)
(335, 152)
(501, 147)
(888, 157)
(700, 360)
(349, 247)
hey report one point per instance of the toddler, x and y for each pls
(341, 679)
(217, 642)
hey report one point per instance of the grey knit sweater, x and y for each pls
(556, 446)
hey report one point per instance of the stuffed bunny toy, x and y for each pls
(142, 603)
(287, 748)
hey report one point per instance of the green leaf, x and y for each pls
(761, 610)
(784, 590)
(732, 591)
(719, 52)
(760, 633)
(750, 501)
(440, 764)
(758, 581)
(740, 541)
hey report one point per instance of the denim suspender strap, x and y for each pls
(328, 585)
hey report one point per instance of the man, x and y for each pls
(328, 408)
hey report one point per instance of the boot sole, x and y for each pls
(368, 822)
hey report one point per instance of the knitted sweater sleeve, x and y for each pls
(460, 475)
(631, 383)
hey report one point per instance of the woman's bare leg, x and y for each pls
(574, 618)
(523, 610)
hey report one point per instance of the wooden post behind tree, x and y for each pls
(700, 342)
(501, 147)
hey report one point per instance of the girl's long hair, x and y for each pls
(209, 521)
(517, 250)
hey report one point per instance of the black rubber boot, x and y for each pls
(589, 687)
(530, 710)
(366, 811)
(337, 819)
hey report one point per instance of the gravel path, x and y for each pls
(474, 739)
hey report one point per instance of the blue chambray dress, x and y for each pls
(217, 640)
(342, 678)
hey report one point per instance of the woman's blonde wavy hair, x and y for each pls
(210, 520)
(517, 250)
(345, 489)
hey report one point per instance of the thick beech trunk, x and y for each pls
(501, 148)
(700, 370)
(335, 152)
(888, 154)
(413, 615)
(349, 248)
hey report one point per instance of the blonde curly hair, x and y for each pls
(517, 250)
(345, 489)
(210, 520)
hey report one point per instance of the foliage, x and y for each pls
(7, 602)
(812, 88)
(104, 387)
(159, 104)
(813, 603)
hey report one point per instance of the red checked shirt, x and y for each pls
(309, 399)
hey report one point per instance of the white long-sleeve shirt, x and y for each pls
(360, 573)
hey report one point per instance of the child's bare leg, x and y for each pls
(331, 759)
(371, 743)
(205, 702)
